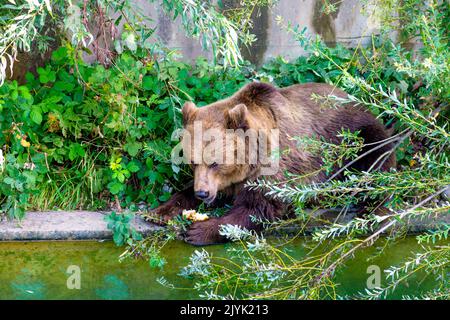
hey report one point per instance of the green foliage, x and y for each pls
(201, 20)
(332, 154)
(432, 261)
(120, 225)
(21, 23)
(435, 235)
(150, 247)
(18, 183)
(313, 68)
(28, 25)
(86, 128)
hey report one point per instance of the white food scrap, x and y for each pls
(194, 215)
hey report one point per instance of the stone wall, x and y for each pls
(348, 25)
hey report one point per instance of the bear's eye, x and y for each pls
(213, 165)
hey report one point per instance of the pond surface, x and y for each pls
(38, 270)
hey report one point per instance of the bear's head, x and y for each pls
(226, 142)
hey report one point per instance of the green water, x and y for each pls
(38, 270)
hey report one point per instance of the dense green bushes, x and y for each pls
(75, 131)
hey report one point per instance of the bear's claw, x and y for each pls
(204, 233)
(164, 213)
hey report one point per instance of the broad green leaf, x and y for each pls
(115, 187)
(133, 166)
(36, 115)
(133, 148)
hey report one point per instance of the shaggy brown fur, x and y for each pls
(262, 106)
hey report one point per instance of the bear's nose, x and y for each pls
(201, 194)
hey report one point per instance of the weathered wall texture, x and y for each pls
(348, 25)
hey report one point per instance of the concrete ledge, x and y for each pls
(64, 225)
(88, 225)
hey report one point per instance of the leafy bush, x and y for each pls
(75, 130)
(123, 232)
(39, 24)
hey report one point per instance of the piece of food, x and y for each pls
(194, 215)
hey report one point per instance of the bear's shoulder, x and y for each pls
(256, 93)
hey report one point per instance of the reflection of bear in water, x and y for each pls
(261, 106)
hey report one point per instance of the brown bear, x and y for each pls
(294, 111)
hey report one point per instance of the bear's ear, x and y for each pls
(236, 118)
(189, 110)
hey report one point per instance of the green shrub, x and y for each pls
(83, 129)
(120, 225)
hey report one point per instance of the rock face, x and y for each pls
(64, 225)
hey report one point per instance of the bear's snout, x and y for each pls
(205, 195)
(201, 194)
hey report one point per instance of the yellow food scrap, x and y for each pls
(24, 143)
(194, 215)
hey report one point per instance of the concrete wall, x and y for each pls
(348, 25)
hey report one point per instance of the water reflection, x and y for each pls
(113, 289)
(27, 287)
(39, 270)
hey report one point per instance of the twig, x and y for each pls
(360, 157)
(376, 234)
